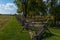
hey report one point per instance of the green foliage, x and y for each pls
(33, 5)
(37, 6)
(19, 5)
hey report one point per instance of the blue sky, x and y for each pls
(7, 7)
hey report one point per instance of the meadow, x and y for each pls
(10, 30)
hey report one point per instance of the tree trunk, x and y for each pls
(54, 21)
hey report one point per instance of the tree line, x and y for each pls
(35, 7)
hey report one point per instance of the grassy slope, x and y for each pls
(11, 31)
(56, 35)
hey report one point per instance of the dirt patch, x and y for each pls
(4, 20)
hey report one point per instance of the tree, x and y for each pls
(35, 6)
(53, 10)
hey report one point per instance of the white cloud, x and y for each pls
(2, 5)
(8, 6)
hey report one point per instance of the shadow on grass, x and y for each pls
(46, 35)
(56, 26)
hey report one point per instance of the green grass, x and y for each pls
(56, 35)
(11, 31)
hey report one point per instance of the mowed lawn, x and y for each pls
(11, 31)
(55, 36)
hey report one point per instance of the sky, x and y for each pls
(7, 7)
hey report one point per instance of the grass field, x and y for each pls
(55, 36)
(4, 20)
(11, 30)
